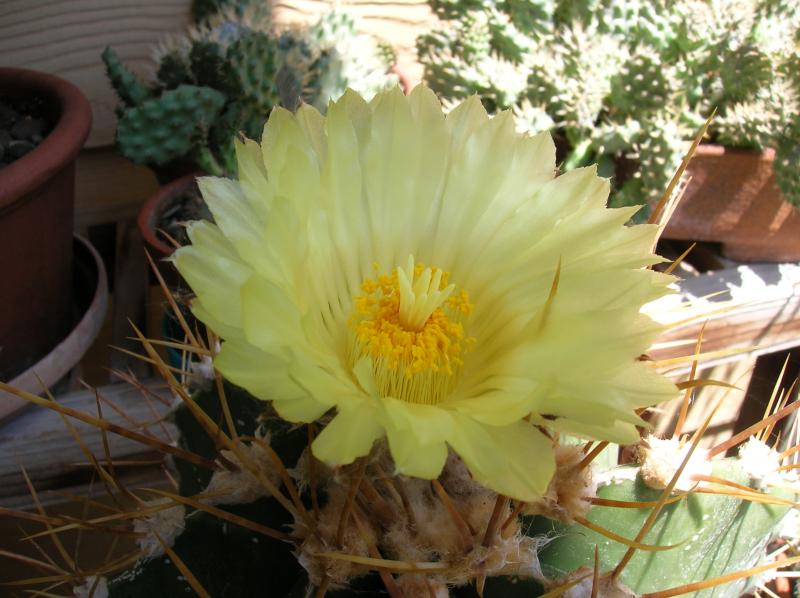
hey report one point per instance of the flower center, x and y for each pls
(410, 324)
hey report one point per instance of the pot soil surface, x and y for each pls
(23, 126)
(178, 212)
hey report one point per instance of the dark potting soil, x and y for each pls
(178, 212)
(23, 126)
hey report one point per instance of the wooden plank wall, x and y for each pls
(66, 38)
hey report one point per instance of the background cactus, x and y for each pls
(165, 128)
(655, 67)
(238, 67)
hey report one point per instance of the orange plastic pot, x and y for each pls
(154, 207)
(733, 200)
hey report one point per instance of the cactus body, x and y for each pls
(239, 69)
(174, 70)
(128, 87)
(166, 128)
(252, 61)
(642, 85)
(713, 534)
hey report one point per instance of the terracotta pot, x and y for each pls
(89, 290)
(151, 212)
(36, 215)
(733, 199)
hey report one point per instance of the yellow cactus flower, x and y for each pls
(427, 279)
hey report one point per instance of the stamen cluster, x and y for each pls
(431, 344)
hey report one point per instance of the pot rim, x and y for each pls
(65, 355)
(148, 215)
(717, 149)
(59, 148)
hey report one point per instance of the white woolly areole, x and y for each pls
(564, 498)
(201, 369)
(608, 587)
(96, 587)
(167, 523)
(760, 462)
(420, 585)
(790, 526)
(241, 486)
(661, 458)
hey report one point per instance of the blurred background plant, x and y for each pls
(626, 83)
(225, 74)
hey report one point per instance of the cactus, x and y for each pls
(232, 533)
(174, 70)
(163, 129)
(128, 87)
(643, 84)
(742, 72)
(338, 473)
(252, 61)
(599, 62)
(234, 55)
(714, 534)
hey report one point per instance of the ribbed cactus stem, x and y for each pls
(128, 87)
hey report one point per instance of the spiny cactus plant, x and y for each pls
(226, 74)
(361, 423)
(655, 68)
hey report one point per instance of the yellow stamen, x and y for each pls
(409, 323)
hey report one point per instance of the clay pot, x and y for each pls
(151, 212)
(36, 216)
(89, 290)
(733, 199)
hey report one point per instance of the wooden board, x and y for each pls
(66, 38)
(40, 441)
(109, 188)
(762, 314)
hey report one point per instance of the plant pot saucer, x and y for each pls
(90, 295)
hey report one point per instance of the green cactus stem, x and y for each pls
(713, 535)
(128, 87)
(164, 129)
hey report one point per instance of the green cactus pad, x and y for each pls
(643, 84)
(128, 87)
(173, 70)
(715, 535)
(208, 64)
(743, 71)
(254, 67)
(164, 129)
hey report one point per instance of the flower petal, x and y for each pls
(414, 459)
(349, 435)
(266, 376)
(426, 424)
(213, 269)
(515, 460)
